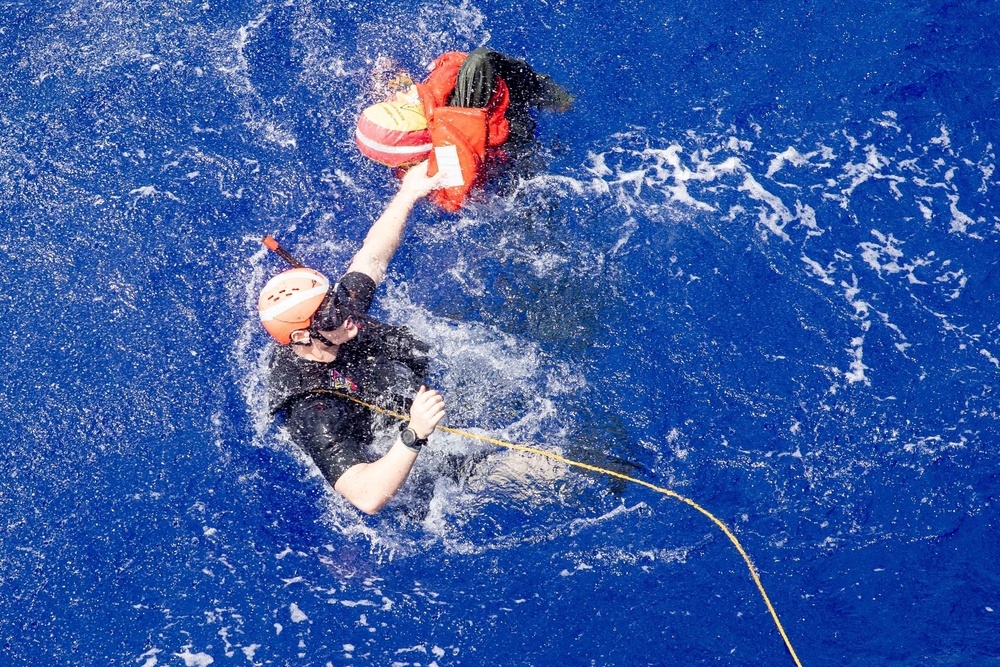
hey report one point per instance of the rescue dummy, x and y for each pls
(470, 113)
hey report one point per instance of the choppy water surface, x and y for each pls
(755, 264)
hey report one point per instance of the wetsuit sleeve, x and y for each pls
(356, 291)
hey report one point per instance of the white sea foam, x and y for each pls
(505, 368)
(934, 445)
(635, 174)
(296, 614)
(884, 257)
(195, 659)
(960, 222)
(790, 155)
(149, 657)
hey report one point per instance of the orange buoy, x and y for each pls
(394, 133)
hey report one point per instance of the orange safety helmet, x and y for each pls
(289, 300)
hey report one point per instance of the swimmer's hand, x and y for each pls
(426, 412)
(416, 182)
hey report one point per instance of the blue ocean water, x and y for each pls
(756, 264)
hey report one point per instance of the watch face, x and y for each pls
(409, 437)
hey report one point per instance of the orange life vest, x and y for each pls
(476, 134)
(418, 124)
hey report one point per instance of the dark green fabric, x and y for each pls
(476, 84)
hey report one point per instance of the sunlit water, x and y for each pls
(755, 264)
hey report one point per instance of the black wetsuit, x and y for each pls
(384, 365)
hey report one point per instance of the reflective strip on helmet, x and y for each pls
(386, 148)
(279, 308)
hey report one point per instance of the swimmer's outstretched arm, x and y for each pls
(369, 486)
(386, 233)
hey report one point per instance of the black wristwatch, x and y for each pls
(410, 439)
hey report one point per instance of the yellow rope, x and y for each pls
(612, 473)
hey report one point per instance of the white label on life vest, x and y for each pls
(448, 164)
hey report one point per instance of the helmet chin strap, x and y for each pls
(324, 340)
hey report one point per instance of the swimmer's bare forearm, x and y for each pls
(386, 233)
(369, 486)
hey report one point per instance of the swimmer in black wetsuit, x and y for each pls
(329, 344)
